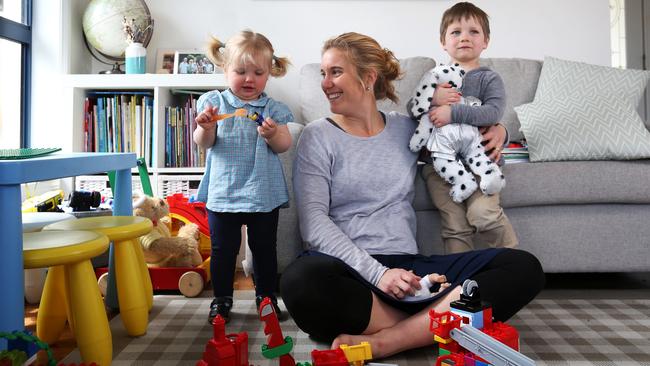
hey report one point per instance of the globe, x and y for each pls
(103, 28)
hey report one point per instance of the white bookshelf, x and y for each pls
(78, 86)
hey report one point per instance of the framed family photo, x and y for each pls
(194, 62)
(165, 61)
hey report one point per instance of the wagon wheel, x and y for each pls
(191, 284)
(103, 283)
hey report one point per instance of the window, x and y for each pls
(617, 32)
(15, 72)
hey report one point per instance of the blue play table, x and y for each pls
(58, 165)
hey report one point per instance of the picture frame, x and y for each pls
(194, 62)
(165, 58)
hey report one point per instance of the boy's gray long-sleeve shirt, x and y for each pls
(354, 194)
(487, 86)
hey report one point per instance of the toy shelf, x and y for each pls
(162, 88)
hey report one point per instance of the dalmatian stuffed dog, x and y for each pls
(453, 140)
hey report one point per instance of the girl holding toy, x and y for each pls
(243, 182)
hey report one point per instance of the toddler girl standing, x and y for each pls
(243, 182)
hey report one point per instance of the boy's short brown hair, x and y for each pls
(464, 10)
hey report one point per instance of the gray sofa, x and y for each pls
(580, 216)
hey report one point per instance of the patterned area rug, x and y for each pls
(552, 332)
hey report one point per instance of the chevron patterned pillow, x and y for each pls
(561, 78)
(583, 128)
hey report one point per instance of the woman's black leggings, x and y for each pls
(326, 299)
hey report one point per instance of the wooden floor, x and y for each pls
(67, 343)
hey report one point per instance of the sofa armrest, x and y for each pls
(289, 241)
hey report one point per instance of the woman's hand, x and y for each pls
(445, 95)
(399, 282)
(494, 137)
(268, 128)
(204, 119)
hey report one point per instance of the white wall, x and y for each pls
(570, 29)
(520, 28)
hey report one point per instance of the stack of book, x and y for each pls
(515, 152)
(180, 149)
(117, 121)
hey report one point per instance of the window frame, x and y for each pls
(22, 33)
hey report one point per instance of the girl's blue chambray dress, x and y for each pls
(242, 173)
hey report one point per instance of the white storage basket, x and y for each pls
(170, 184)
(100, 184)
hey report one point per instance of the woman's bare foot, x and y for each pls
(380, 347)
(390, 340)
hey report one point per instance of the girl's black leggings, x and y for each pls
(225, 235)
(325, 299)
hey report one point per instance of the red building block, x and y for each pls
(505, 334)
(225, 350)
(441, 324)
(277, 346)
(330, 357)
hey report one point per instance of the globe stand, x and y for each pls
(114, 17)
(115, 70)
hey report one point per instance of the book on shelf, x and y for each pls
(515, 152)
(180, 149)
(119, 121)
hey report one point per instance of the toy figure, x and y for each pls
(257, 117)
(426, 283)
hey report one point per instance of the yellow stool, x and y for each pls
(71, 290)
(134, 290)
(35, 278)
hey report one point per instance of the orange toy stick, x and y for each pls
(241, 112)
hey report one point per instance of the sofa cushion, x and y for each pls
(566, 183)
(314, 105)
(520, 78)
(576, 182)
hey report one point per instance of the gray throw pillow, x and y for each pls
(583, 128)
(560, 79)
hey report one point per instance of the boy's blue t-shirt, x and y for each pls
(242, 173)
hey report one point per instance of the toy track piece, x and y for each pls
(191, 284)
(102, 282)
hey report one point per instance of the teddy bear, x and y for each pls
(161, 249)
(453, 141)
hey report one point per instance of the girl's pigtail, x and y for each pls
(279, 66)
(214, 52)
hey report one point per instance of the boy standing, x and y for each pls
(464, 34)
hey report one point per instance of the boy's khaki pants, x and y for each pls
(477, 214)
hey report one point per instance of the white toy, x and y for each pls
(453, 141)
(426, 282)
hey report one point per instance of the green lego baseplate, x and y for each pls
(26, 153)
